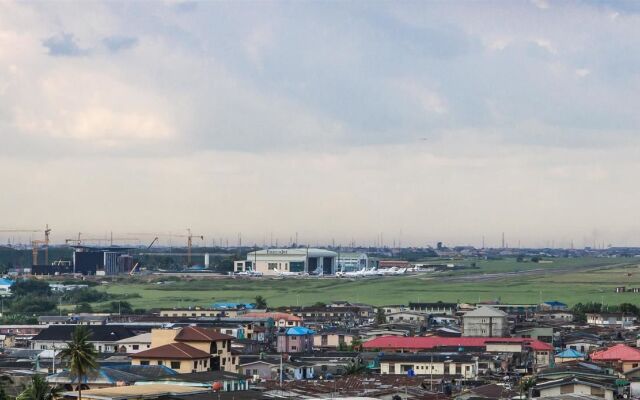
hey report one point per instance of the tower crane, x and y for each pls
(190, 237)
(35, 244)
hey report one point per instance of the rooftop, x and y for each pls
(176, 351)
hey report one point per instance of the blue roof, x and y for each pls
(555, 303)
(6, 282)
(299, 331)
(570, 353)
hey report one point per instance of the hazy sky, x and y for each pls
(422, 120)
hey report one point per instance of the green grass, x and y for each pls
(567, 280)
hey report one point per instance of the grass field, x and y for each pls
(568, 280)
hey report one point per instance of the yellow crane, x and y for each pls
(189, 237)
(35, 244)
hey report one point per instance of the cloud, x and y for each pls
(118, 43)
(63, 45)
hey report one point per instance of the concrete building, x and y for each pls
(485, 322)
(277, 261)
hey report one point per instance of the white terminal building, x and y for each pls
(275, 261)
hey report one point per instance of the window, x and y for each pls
(294, 348)
(195, 364)
(144, 362)
(135, 347)
(160, 362)
(392, 368)
(325, 340)
(175, 364)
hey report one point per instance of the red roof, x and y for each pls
(174, 351)
(274, 315)
(619, 352)
(198, 334)
(431, 342)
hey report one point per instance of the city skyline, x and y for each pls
(446, 122)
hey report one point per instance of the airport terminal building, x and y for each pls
(275, 261)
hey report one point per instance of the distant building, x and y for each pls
(438, 308)
(276, 261)
(295, 340)
(349, 262)
(485, 322)
(611, 319)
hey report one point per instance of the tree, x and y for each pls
(30, 287)
(83, 308)
(81, 356)
(261, 302)
(39, 389)
(381, 318)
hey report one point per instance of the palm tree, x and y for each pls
(81, 356)
(39, 389)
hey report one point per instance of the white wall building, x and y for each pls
(301, 260)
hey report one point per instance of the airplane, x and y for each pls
(249, 272)
(288, 273)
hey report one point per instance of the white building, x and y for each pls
(611, 319)
(485, 322)
(277, 261)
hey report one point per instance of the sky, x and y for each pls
(407, 121)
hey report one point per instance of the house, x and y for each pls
(604, 389)
(134, 344)
(180, 357)
(394, 308)
(268, 368)
(296, 339)
(438, 308)
(281, 320)
(611, 319)
(620, 357)
(569, 355)
(540, 352)
(103, 337)
(192, 349)
(553, 316)
(485, 322)
(582, 344)
(332, 339)
(74, 319)
(410, 317)
(436, 364)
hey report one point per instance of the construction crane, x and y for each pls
(133, 270)
(35, 244)
(19, 230)
(81, 240)
(189, 237)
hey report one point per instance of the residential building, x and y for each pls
(295, 340)
(280, 320)
(611, 319)
(134, 344)
(485, 322)
(433, 364)
(333, 339)
(438, 308)
(103, 337)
